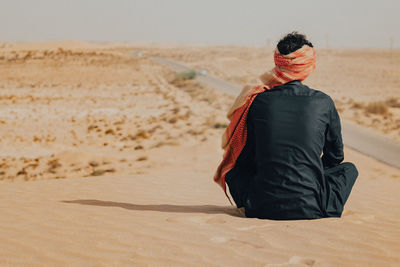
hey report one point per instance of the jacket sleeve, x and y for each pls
(333, 148)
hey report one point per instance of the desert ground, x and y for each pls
(108, 157)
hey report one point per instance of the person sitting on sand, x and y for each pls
(273, 144)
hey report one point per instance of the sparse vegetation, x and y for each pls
(162, 113)
(393, 102)
(53, 165)
(215, 123)
(110, 131)
(141, 134)
(165, 143)
(184, 80)
(101, 172)
(218, 125)
(357, 105)
(199, 85)
(188, 75)
(142, 158)
(93, 163)
(378, 107)
(380, 114)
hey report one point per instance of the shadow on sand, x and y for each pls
(208, 209)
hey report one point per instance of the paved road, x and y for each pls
(356, 137)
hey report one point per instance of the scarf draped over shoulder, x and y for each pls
(294, 66)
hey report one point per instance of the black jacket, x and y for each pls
(294, 133)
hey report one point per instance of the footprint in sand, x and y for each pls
(294, 261)
(207, 220)
(348, 212)
(251, 227)
(302, 261)
(219, 239)
(216, 220)
(368, 217)
(171, 219)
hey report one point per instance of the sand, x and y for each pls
(107, 160)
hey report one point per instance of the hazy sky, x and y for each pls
(338, 23)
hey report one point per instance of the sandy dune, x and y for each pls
(107, 160)
(176, 216)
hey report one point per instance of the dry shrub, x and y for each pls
(199, 85)
(175, 110)
(181, 79)
(188, 75)
(396, 124)
(357, 105)
(155, 128)
(393, 102)
(218, 125)
(165, 143)
(141, 134)
(101, 172)
(22, 172)
(213, 122)
(110, 131)
(142, 158)
(93, 163)
(196, 132)
(209, 99)
(129, 137)
(173, 120)
(53, 165)
(378, 107)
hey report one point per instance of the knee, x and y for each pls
(350, 168)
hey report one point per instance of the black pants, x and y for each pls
(339, 181)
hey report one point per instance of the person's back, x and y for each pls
(280, 173)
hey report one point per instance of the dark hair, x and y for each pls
(291, 42)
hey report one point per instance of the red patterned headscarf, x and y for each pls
(294, 66)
